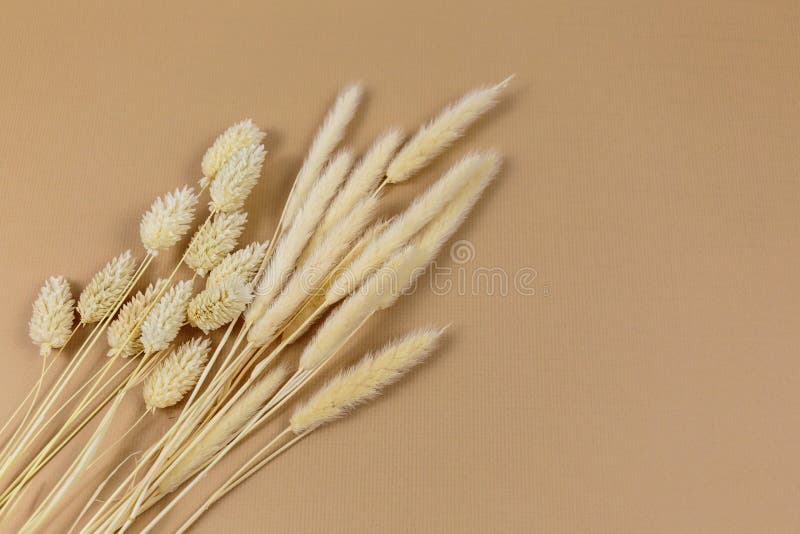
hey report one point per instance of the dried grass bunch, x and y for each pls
(328, 261)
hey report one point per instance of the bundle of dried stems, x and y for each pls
(326, 257)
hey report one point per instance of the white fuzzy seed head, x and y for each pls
(365, 380)
(214, 240)
(328, 136)
(162, 324)
(168, 219)
(236, 179)
(243, 263)
(232, 140)
(440, 133)
(219, 304)
(51, 323)
(124, 332)
(103, 292)
(176, 375)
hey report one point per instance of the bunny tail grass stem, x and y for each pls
(34, 392)
(45, 456)
(182, 432)
(35, 427)
(258, 419)
(79, 465)
(66, 403)
(250, 468)
(118, 440)
(99, 490)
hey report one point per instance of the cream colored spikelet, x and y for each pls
(378, 292)
(51, 322)
(219, 304)
(124, 332)
(236, 179)
(361, 182)
(291, 245)
(215, 240)
(176, 375)
(441, 228)
(404, 227)
(106, 288)
(224, 430)
(365, 380)
(307, 280)
(168, 220)
(243, 263)
(328, 136)
(229, 142)
(162, 324)
(438, 134)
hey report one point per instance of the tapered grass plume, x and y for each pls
(106, 288)
(363, 180)
(307, 280)
(328, 137)
(438, 134)
(291, 245)
(402, 228)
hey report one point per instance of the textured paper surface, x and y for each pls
(651, 183)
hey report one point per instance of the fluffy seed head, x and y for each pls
(176, 375)
(168, 219)
(162, 324)
(291, 245)
(103, 292)
(219, 304)
(236, 179)
(307, 280)
(365, 380)
(233, 139)
(397, 233)
(125, 331)
(441, 228)
(224, 430)
(214, 240)
(379, 291)
(329, 135)
(362, 181)
(438, 134)
(243, 263)
(51, 323)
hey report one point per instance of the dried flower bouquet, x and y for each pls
(328, 261)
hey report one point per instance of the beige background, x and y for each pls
(651, 180)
